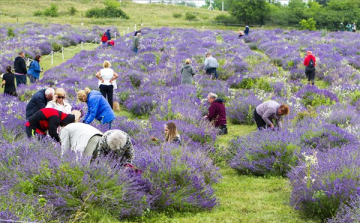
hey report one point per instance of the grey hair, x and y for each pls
(212, 95)
(116, 140)
(49, 91)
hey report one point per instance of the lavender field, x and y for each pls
(317, 151)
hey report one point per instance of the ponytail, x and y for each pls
(8, 69)
(87, 90)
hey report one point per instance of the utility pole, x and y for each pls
(210, 5)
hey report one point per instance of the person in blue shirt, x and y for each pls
(98, 107)
(247, 30)
(34, 69)
(108, 34)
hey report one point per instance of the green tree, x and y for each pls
(250, 11)
(309, 24)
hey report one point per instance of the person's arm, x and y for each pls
(3, 83)
(23, 67)
(92, 109)
(305, 61)
(54, 123)
(192, 71)
(181, 70)
(268, 113)
(217, 64)
(37, 67)
(65, 140)
(206, 64)
(98, 75)
(115, 75)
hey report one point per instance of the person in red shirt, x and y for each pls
(47, 119)
(310, 63)
(217, 113)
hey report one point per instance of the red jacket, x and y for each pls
(49, 119)
(217, 112)
(307, 60)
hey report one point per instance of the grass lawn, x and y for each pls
(150, 15)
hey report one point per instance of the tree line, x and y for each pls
(312, 14)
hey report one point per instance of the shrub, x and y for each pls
(52, 11)
(190, 16)
(265, 152)
(108, 12)
(10, 32)
(56, 46)
(309, 24)
(227, 20)
(38, 13)
(141, 106)
(349, 212)
(324, 180)
(241, 109)
(177, 15)
(72, 10)
(313, 96)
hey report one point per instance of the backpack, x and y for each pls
(104, 38)
(311, 63)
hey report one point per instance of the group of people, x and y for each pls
(349, 27)
(245, 32)
(48, 112)
(106, 39)
(21, 73)
(210, 66)
(266, 114)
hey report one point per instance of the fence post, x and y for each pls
(82, 45)
(115, 34)
(128, 30)
(222, 6)
(52, 58)
(123, 32)
(62, 53)
(135, 27)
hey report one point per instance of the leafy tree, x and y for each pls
(309, 24)
(250, 11)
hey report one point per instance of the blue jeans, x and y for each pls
(212, 72)
(136, 50)
(20, 79)
(32, 78)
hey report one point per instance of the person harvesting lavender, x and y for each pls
(48, 119)
(98, 107)
(39, 101)
(8, 82)
(107, 83)
(217, 113)
(210, 65)
(268, 111)
(20, 69)
(80, 137)
(310, 63)
(117, 144)
(171, 134)
(34, 69)
(187, 72)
